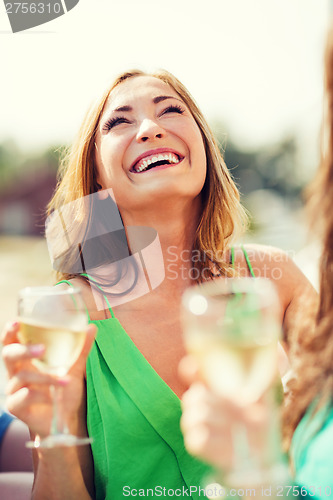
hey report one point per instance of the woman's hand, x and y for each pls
(209, 421)
(28, 388)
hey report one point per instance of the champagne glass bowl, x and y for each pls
(56, 318)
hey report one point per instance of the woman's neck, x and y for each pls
(175, 227)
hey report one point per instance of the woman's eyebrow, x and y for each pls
(123, 108)
(161, 98)
(156, 100)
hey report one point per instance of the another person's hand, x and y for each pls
(209, 422)
(28, 388)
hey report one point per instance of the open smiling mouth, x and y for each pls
(157, 160)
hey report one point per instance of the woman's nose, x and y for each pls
(149, 129)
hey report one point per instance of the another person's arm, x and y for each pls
(14, 456)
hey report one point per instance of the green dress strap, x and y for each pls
(233, 257)
(65, 281)
(248, 262)
(73, 286)
(101, 289)
(95, 282)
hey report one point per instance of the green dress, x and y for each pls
(133, 417)
(311, 452)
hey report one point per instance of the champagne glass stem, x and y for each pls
(59, 432)
(242, 459)
(58, 425)
(244, 468)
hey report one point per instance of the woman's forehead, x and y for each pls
(138, 87)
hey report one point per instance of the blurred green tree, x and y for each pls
(16, 165)
(274, 166)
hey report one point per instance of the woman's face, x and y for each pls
(148, 145)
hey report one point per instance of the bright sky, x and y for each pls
(255, 65)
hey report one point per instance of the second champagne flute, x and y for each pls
(232, 327)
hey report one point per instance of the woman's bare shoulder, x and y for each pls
(295, 291)
(265, 261)
(264, 254)
(276, 264)
(93, 299)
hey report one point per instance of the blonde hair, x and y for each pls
(223, 218)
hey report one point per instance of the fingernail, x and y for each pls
(15, 324)
(36, 349)
(63, 381)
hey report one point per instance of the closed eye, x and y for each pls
(173, 108)
(113, 122)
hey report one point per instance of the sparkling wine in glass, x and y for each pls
(232, 327)
(55, 317)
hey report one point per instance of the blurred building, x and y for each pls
(23, 203)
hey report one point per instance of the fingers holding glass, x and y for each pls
(56, 319)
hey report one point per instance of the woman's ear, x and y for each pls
(102, 193)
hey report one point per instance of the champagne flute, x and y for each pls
(232, 327)
(57, 318)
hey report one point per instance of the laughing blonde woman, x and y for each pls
(145, 148)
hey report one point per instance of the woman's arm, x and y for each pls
(64, 473)
(67, 472)
(60, 473)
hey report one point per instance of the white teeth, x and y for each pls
(170, 157)
(173, 158)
